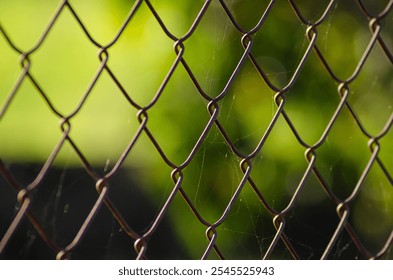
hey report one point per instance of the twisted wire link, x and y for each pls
(213, 108)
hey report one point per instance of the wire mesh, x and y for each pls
(263, 180)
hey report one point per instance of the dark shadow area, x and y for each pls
(63, 201)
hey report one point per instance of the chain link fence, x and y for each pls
(196, 129)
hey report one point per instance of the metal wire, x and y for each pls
(278, 216)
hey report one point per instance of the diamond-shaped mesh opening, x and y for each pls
(218, 37)
(132, 68)
(65, 45)
(30, 124)
(101, 18)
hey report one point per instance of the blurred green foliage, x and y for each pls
(67, 60)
